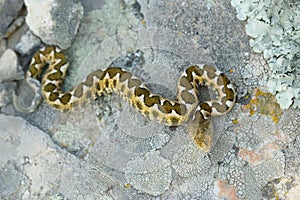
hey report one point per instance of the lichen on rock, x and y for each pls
(264, 103)
(189, 161)
(150, 174)
(274, 29)
(49, 19)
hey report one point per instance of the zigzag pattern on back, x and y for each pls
(170, 112)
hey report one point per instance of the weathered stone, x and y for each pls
(27, 43)
(55, 22)
(8, 11)
(6, 89)
(31, 165)
(9, 67)
(120, 154)
(150, 174)
(3, 45)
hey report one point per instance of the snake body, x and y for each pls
(113, 79)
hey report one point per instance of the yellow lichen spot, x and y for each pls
(265, 103)
(143, 22)
(231, 70)
(275, 119)
(235, 121)
(180, 34)
(246, 97)
(127, 185)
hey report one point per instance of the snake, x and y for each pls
(185, 109)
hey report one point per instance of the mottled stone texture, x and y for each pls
(9, 67)
(106, 149)
(8, 11)
(54, 21)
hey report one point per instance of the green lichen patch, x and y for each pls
(150, 174)
(189, 161)
(274, 29)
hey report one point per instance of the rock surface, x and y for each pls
(9, 67)
(151, 174)
(55, 22)
(27, 43)
(8, 11)
(6, 91)
(107, 150)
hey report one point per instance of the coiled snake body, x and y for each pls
(170, 112)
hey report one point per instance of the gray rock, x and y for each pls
(6, 89)
(10, 178)
(15, 134)
(119, 155)
(3, 45)
(9, 67)
(31, 166)
(8, 11)
(151, 174)
(27, 43)
(55, 22)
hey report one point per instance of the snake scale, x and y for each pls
(113, 79)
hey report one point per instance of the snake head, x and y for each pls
(201, 131)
